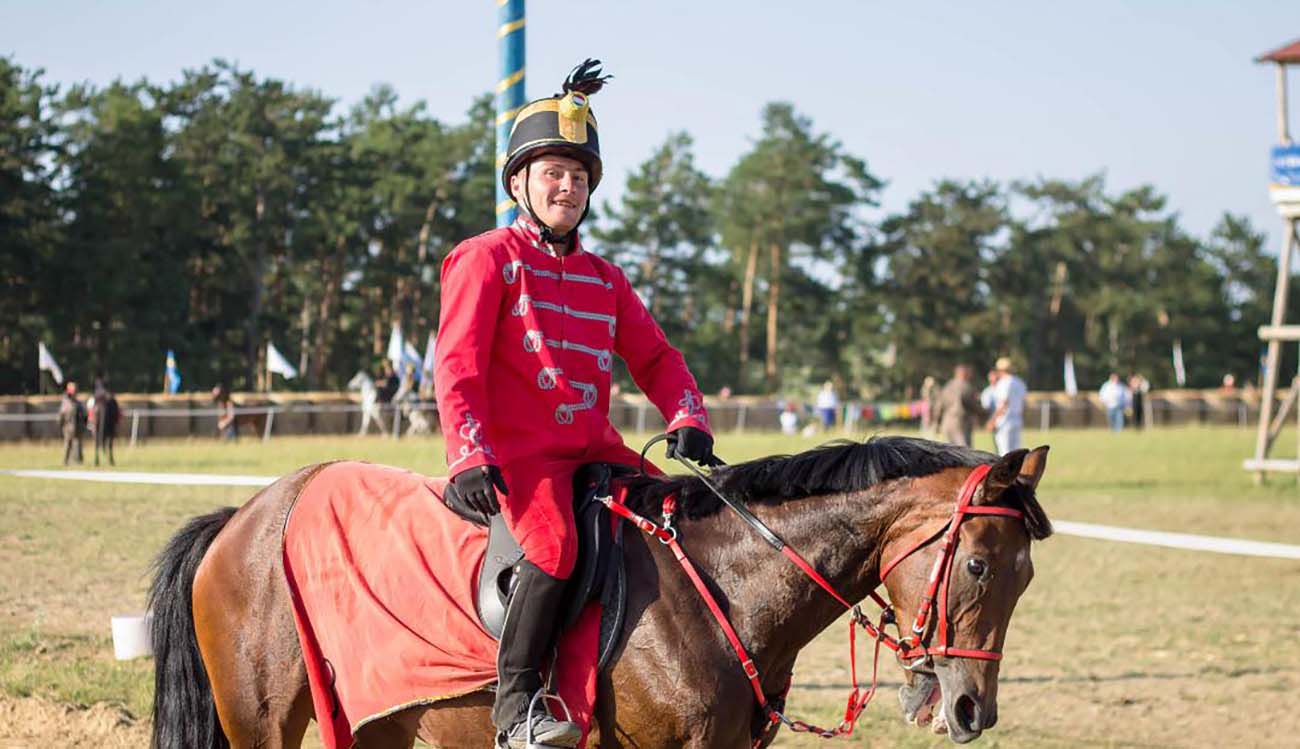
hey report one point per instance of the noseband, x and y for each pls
(912, 651)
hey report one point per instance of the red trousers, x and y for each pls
(539, 508)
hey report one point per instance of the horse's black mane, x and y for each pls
(837, 467)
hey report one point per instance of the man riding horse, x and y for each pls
(529, 326)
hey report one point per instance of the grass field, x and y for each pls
(1113, 644)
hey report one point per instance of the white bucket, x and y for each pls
(131, 636)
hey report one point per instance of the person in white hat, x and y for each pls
(1008, 417)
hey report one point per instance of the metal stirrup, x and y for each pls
(541, 694)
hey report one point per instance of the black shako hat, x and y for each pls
(561, 124)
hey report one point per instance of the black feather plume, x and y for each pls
(585, 78)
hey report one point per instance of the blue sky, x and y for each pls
(1164, 92)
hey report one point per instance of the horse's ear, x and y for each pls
(1001, 475)
(1032, 469)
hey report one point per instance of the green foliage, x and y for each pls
(942, 262)
(794, 201)
(663, 236)
(29, 219)
(212, 215)
(217, 214)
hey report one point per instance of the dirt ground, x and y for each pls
(40, 723)
(1176, 711)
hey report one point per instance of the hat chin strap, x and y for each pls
(544, 232)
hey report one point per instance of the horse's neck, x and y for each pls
(776, 608)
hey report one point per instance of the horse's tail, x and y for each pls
(184, 713)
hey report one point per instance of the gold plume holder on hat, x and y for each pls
(572, 117)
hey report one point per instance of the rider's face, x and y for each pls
(557, 189)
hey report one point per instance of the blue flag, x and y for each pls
(172, 376)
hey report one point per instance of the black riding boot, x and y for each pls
(526, 640)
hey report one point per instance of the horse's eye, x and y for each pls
(976, 567)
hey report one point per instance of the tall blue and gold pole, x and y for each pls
(509, 91)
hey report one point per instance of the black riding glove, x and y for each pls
(473, 493)
(692, 444)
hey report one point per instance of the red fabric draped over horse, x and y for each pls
(230, 668)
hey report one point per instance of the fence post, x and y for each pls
(1045, 415)
(135, 426)
(741, 412)
(1241, 415)
(270, 419)
(640, 417)
(397, 421)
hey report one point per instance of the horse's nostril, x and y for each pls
(967, 713)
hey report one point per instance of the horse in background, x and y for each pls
(229, 419)
(370, 410)
(407, 400)
(105, 415)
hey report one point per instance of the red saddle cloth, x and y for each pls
(383, 580)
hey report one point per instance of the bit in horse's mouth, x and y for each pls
(919, 698)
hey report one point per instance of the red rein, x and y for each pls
(907, 648)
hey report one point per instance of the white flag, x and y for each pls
(277, 364)
(395, 349)
(427, 368)
(411, 357)
(1071, 384)
(45, 361)
(1180, 373)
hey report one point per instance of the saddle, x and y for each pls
(598, 574)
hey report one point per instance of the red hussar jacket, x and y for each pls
(526, 342)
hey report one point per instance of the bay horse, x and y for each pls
(229, 669)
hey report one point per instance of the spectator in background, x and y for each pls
(1114, 398)
(72, 422)
(789, 418)
(988, 400)
(1138, 387)
(1008, 418)
(388, 383)
(827, 404)
(1229, 386)
(226, 427)
(988, 397)
(959, 409)
(370, 413)
(930, 407)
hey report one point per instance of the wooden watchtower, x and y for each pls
(1284, 189)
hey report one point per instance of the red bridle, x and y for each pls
(910, 650)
